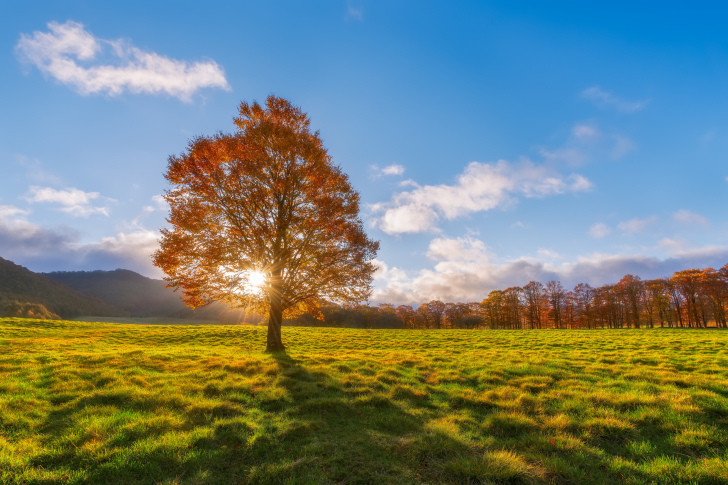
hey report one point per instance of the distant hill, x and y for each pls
(19, 285)
(140, 296)
(127, 290)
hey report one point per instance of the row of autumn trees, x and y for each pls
(695, 298)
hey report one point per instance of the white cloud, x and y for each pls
(160, 203)
(548, 253)
(636, 225)
(606, 99)
(583, 131)
(687, 217)
(480, 187)
(465, 270)
(393, 170)
(671, 245)
(130, 249)
(70, 54)
(412, 183)
(388, 170)
(72, 201)
(599, 230)
(408, 218)
(467, 249)
(61, 248)
(7, 211)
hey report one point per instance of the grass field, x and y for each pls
(105, 403)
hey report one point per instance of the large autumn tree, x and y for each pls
(263, 220)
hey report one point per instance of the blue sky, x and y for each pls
(492, 142)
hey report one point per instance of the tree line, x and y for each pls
(692, 298)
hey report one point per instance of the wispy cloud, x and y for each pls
(71, 54)
(636, 225)
(687, 217)
(599, 230)
(158, 204)
(71, 200)
(354, 13)
(548, 253)
(35, 172)
(8, 211)
(606, 99)
(481, 187)
(707, 137)
(388, 170)
(586, 142)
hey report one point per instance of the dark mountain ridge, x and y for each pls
(19, 284)
(143, 297)
(127, 290)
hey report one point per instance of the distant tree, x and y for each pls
(533, 295)
(512, 307)
(676, 299)
(432, 314)
(569, 310)
(492, 309)
(38, 311)
(584, 303)
(556, 296)
(262, 219)
(687, 282)
(456, 313)
(660, 298)
(408, 316)
(630, 289)
(715, 292)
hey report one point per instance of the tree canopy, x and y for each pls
(262, 219)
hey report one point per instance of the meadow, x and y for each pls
(104, 403)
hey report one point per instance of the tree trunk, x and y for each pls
(275, 319)
(274, 342)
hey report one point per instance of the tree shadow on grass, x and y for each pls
(310, 428)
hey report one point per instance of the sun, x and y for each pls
(256, 281)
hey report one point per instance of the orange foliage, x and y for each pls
(267, 200)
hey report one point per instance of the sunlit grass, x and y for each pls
(110, 403)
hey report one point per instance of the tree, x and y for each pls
(432, 314)
(263, 220)
(687, 283)
(408, 316)
(533, 294)
(584, 301)
(631, 288)
(457, 313)
(714, 290)
(556, 296)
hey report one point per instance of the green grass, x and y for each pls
(148, 320)
(103, 403)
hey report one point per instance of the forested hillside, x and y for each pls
(142, 296)
(19, 287)
(130, 291)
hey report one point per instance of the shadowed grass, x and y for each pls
(111, 403)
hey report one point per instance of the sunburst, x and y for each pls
(256, 281)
